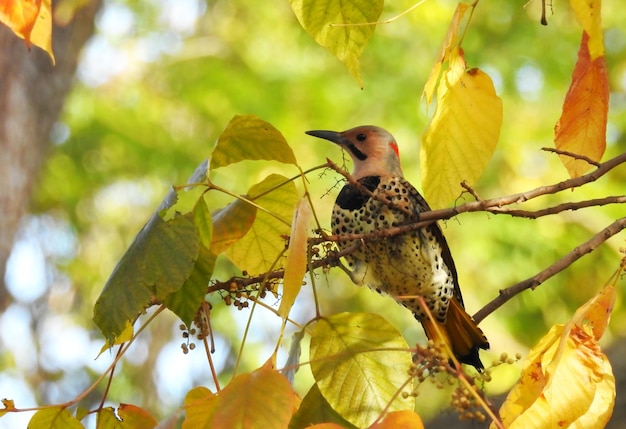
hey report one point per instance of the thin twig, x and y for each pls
(621, 199)
(572, 155)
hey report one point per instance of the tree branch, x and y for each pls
(558, 266)
(493, 205)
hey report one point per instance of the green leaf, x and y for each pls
(248, 137)
(202, 221)
(230, 224)
(357, 366)
(262, 245)
(315, 409)
(106, 419)
(186, 300)
(346, 42)
(157, 263)
(54, 418)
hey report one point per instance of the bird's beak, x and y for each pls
(332, 136)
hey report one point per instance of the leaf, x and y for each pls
(8, 405)
(400, 420)
(327, 426)
(135, 417)
(463, 133)
(295, 267)
(54, 418)
(200, 407)
(347, 39)
(230, 224)
(359, 362)
(582, 126)
(567, 380)
(588, 13)
(106, 419)
(293, 360)
(258, 400)
(248, 137)
(203, 222)
(315, 409)
(157, 263)
(186, 300)
(258, 250)
(31, 20)
(450, 43)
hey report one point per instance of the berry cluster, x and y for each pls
(467, 399)
(200, 329)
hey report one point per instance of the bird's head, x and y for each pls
(373, 150)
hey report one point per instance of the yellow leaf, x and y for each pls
(42, 31)
(258, 400)
(582, 126)
(126, 335)
(463, 133)
(258, 250)
(230, 224)
(247, 137)
(337, 26)
(295, 267)
(200, 406)
(588, 13)
(54, 418)
(567, 380)
(450, 42)
(359, 362)
(106, 419)
(400, 420)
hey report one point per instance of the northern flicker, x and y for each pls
(417, 262)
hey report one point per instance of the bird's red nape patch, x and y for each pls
(394, 146)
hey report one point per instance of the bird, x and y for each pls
(413, 263)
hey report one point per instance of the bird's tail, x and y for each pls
(460, 333)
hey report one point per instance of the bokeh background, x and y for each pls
(160, 80)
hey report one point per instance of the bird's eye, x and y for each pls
(361, 137)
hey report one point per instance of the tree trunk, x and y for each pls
(32, 92)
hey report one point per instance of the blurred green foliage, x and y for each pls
(123, 141)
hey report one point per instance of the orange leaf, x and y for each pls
(20, 16)
(31, 20)
(400, 420)
(295, 267)
(567, 380)
(135, 417)
(582, 126)
(258, 400)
